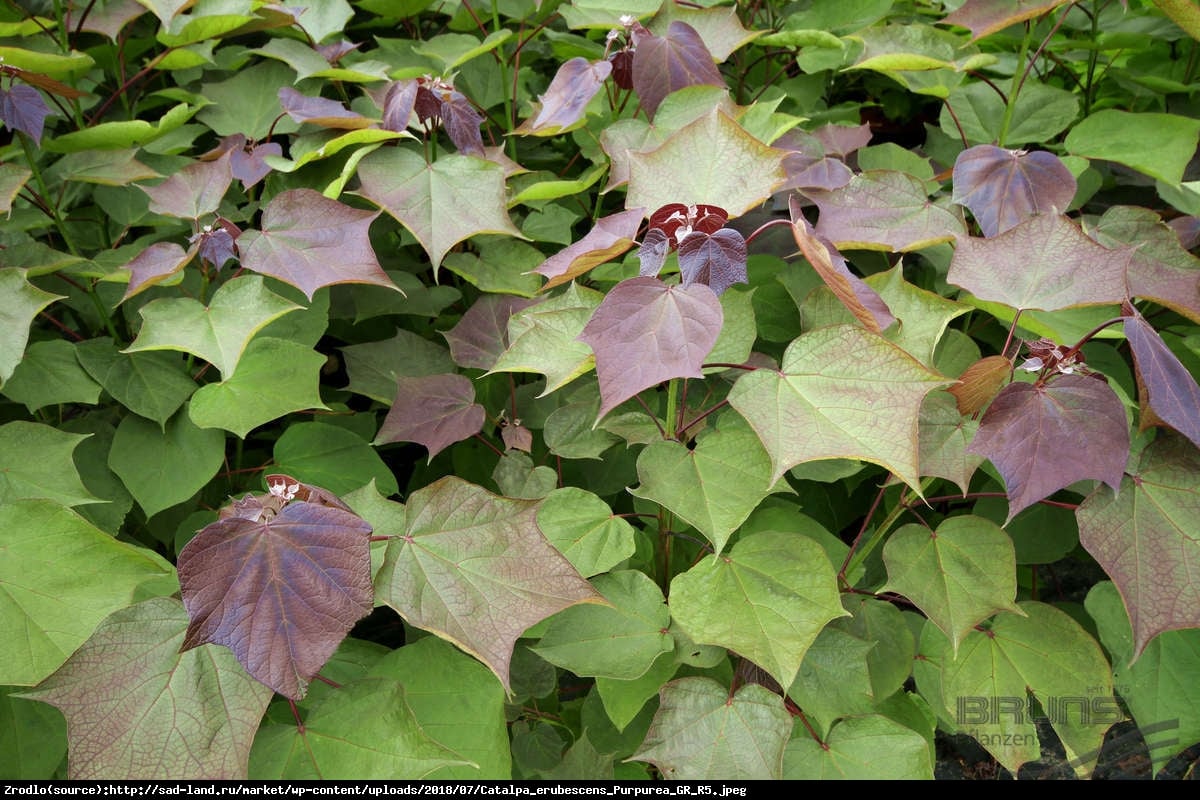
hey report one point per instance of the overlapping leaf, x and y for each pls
(165, 714)
(840, 392)
(23, 109)
(883, 210)
(481, 336)
(664, 64)
(155, 264)
(433, 410)
(1168, 391)
(1044, 437)
(584, 529)
(319, 111)
(1144, 538)
(985, 17)
(562, 107)
(310, 241)
(35, 461)
(20, 302)
(194, 191)
(165, 465)
(681, 322)
(944, 436)
(151, 384)
(1161, 269)
(475, 569)
(609, 237)
(1003, 188)
(870, 748)
(281, 592)
(544, 338)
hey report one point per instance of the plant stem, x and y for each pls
(1018, 78)
(859, 555)
(672, 413)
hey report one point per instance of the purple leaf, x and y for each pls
(1043, 437)
(1003, 188)
(281, 592)
(310, 241)
(319, 111)
(155, 264)
(194, 191)
(652, 253)
(219, 244)
(985, 17)
(676, 218)
(622, 68)
(246, 160)
(433, 410)
(842, 140)
(609, 237)
(334, 51)
(482, 334)
(562, 106)
(718, 261)
(807, 173)
(1168, 391)
(462, 121)
(883, 209)
(1188, 231)
(517, 437)
(663, 64)
(1161, 268)
(23, 109)
(398, 104)
(646, 332)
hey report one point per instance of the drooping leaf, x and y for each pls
(544, 338)
(1003, 188)
(1161, 269)
(475, 569)
(717, 261)
(35, 461)
(714, 485)
(562, 107)
(958, 575)
(702, 731)
(1044, 437)
(192, 192)
(867, 748)
(23, 109)
(280, 592)
(155, 264)
(609, 237)
(883, 210)
(711, 160)
(646, 332)
(1168, 391)
(319, 111)
(158, 718)
(985, 17)
(1045, 263)
(767, 600)
(310, 241)
(442, 203)
(584, 529)
(20, 302)
(1144, 539)
(150, 384)
(980, 383)
(481, 336)
(1158, 145)
(840, 392)
(219, 333)
(664, 64)
(433, 410)
(61, 577)
(1157, 685)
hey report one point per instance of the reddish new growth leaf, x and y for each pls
(562, 106)
(433, 410)
(1168, 391)
(979, 383)
(246, 157)
(663, 64)
(677, 220)
(310, 241)
(319, 111)
(1044, 436)
(437, 101)
(646, 332)
(482, 334)
(1003, 188)
(517, 437)
(219, 244)
(280, 585)
(23, 109)
(398, 103)
(860, 299)
(610, 237)
(718, 261)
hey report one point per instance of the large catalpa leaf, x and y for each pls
(714, 485)
(866, 748)
(194, 191)
(944, 436)
(1003, 188)
(219, 333)
(280, 590)
(545, 338)
(1159, 686)
(20, 302)
(310, 241)
(475, 569)
(766, 600)
(1044, 437)
(663, 64)
(479, 338)
(609, 237)
(646, 332)
(1145, 538)
(840, 392)
(162, 465)
(164, 714)
(1045, 263)
(62, 576)
(585, 530)
(1169, 393)
(562, 107)
(704, 731)
(711, 161)
(1044, 653)
(1161, 269)
(958, 575)
(883, 210)
(442, 203)
(433, 410)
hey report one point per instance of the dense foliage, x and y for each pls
(592, 389)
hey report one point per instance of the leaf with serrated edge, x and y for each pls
(165, 715)
(841, 392)
(1144, 538)
(767, 599)
(1043, 438)
(544, 338)
(475, 569)
(433, 410)
(703, 731)
(959, 575)
(646, 332)
(281, 593)
(883, 210)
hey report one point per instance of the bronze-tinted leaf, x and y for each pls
(1003, 188)
(194, 191)
(482, 334)
(562, 106)
(398, 103)
(609, 237)
(433, 410)
(1165, 385)
(23, 109)
(319, 111)
(155, 264)
(980, 382)
(718, 261)
(662, 64)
